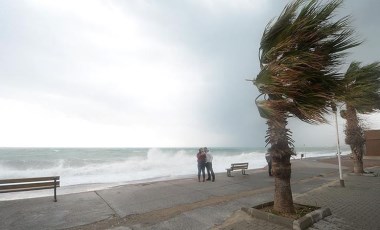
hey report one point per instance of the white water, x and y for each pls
(92, 169)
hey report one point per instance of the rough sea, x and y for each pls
(86, 169)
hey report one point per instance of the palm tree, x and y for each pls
(361, 94)
(299, 56)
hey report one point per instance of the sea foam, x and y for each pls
(88, 169)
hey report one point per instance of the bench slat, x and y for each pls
(239, 168)
(239, 165)
(26, 189)
(31, 186)
(22, 180)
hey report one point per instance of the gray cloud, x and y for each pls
(95, 63)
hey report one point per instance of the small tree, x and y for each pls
(299, 53)
(360, 94)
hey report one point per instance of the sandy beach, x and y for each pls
(174, 204)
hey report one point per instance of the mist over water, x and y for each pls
(84, 166)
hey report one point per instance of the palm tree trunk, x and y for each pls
(355, 138)
(278, 137)
(358, 160)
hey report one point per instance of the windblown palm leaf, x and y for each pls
(362, 87)
(299, 55)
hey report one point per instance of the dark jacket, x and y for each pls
(201, 157)
(268, 157)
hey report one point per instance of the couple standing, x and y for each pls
(205, 161)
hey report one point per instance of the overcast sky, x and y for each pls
(146, 73)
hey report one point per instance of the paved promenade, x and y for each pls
(188, 204)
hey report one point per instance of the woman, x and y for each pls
(201, 156)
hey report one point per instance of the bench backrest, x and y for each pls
(239, 166)
(27, 184)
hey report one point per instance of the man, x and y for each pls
(269, 161)
(209, 165)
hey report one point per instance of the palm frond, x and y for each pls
(361, 87)
(300, 53)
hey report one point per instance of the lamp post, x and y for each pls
(333, 106)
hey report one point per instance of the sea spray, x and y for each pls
(81, 166)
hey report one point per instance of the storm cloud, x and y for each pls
(146, 73)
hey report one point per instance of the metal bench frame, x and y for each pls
(28, 184)
(237, 166)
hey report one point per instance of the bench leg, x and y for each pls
(228, 172)
(55, 190)
(243, 172)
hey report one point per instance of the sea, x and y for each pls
(88, 169)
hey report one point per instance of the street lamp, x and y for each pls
(333, 106)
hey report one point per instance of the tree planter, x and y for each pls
(299, 224)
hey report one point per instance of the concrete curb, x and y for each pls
(371, 174)
(311, 218)
(300, 224)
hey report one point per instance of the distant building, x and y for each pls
(372, 143)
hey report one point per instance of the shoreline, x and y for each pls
(90, 187)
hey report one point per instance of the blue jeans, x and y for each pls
(201, 168)
(209, 169)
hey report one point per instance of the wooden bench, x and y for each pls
(28, 184)
(237, 166)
